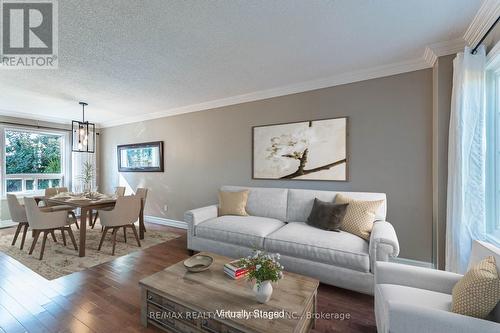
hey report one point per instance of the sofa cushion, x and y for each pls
(266, 202)
(326, 215)
(478, 291)
(360, 215)
(233, 203)
(335, 248)
(300, 202)
(246, 231)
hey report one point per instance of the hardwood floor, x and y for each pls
(106, 298)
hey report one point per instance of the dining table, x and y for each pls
(87, 206)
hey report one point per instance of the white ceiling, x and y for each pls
(133, 60)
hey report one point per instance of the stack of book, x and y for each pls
(234, 270)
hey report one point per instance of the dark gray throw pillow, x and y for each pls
(326, 215)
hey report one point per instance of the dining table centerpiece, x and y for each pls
(263, 268)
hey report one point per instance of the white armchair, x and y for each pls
(416, 299)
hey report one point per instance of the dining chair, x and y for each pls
(52, 191)
(123, 215)
(18, 214)
(142, 193)
(47, 222)
(119, 192)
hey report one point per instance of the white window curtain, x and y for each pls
(78, 161)
(466, 206)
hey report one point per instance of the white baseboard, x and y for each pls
(167, 222)
(412, 262)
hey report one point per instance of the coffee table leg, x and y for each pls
(83, 231)
(144, 307)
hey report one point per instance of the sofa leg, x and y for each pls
(190, 252)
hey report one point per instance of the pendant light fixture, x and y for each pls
(83, 134)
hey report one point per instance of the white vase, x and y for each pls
(263, 291)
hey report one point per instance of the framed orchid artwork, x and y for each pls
(307, 150)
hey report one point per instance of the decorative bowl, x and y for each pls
(198, 263)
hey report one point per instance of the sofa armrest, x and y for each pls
(383, 242)
(416, 277)
(412, 318)
(196, 216)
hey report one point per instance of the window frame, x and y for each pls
(63, 176)
(493, 151)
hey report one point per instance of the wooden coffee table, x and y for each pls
(179, 301)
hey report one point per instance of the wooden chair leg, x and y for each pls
(19, 226)
(72, 213)
(125, 233)
(115, 231)
(53, 236)
(36, 233)
(43, 242)
(63, 236)
(95, 219)
(136, 235)
(102, 238)
(72, 237)
(25, 231)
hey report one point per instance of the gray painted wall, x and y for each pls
(442, 85)
(390, 145)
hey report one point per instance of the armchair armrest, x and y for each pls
(416, 277)
(195, 216)
(406, 318)
(383, 243)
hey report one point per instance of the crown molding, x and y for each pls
(345, 78)
(485, 16)
(433, 51)
(34, 117)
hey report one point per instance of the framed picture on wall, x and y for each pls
(306, 150)
(141, 157)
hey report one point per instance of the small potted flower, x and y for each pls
(263, 268)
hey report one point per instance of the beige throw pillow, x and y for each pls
(359, 216)
(233, 203)
(478, 292)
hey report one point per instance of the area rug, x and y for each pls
(59, 260)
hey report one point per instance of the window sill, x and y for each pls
(494, 237)
(21, 195)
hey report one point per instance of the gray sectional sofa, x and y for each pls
(277, 224)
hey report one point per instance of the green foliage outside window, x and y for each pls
(27, 152)
(142, 157)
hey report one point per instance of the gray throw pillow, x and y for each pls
(326, 215)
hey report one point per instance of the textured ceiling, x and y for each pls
(129, 58)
